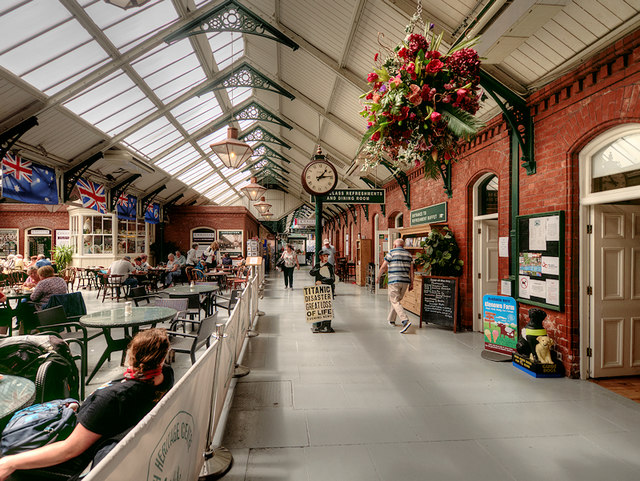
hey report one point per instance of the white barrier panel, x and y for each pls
(168, 443)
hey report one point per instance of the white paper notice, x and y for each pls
(553, 292)
(503, 247)
(537, 234)
(538, 289)
(553, 228)
(523, 290)
(505, 288)
(551, 265)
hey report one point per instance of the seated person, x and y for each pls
(144, 264)
(32, 261)
(173, 270)
(32, 279)
(180, 259)
(19, 262)
(106, 415)
(123, 267)
(48, 286)
(227, 262)
(42, 261)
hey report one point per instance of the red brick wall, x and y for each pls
(182, 219)
(27, 216)
(567, 114)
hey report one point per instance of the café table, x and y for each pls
(115, 318)
(191, 291)
(16, 393)
(15, 296)
(218, 276)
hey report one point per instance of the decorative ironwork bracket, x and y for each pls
(255, 111)
(245, 75)
(402, 180)
(231, 16)
(445, 172)
(145, 202)
(266, 151)
(365, 209)
(269, 171)
(72, 175)
(265, 162)
(118, 189)
(258, 134)
(369, 182)
(354, 213)
(11, 136)
(516, 113)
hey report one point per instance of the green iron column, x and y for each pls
(318, 228)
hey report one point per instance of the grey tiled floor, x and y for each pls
(368, 403)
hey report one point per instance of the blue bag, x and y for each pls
(38, 425)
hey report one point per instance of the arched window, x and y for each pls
(488, 196)
(399, 220)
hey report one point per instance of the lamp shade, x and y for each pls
(231, 151)
(262, 206)
(127, 3)
(253, 190)
(267, 215)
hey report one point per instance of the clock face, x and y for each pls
(319, 177)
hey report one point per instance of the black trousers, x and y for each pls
(288, 276)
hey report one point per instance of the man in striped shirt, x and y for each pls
(399, 263)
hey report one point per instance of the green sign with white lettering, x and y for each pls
(353, 196)
(429, 215)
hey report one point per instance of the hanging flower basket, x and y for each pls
(421, 103)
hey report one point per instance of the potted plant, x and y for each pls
(440, 254)
(62, 256)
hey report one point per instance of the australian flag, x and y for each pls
(28, 182)
(126, 207)
(152, 215)
(92, 195)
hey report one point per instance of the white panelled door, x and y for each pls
(487, 277)
(615, 302)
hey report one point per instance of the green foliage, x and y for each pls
(440, 254)
(63, 255)
(461, 123)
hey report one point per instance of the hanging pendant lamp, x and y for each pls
(267, 215)
(262, 206)
(232, 152)
(127, 3)
(253, 190)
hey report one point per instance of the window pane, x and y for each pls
(617, 165)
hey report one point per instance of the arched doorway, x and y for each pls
(485, 243)
(609, 246)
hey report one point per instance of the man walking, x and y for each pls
(399, 263)
(332, 252)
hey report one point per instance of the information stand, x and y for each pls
(318, 303)
(439, 301)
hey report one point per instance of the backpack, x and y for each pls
(46, 360)
(38, 425)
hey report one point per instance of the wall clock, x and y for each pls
(319, 177)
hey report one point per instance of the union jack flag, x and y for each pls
(14, 165)
(92, 195)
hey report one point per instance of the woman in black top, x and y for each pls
(112, 409)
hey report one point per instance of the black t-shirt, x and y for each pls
(118, 405)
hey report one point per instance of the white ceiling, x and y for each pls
(103, 79)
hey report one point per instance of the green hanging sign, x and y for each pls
(429, 215)
(353, 196)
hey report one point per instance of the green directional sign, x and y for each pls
(353, 196)
(429, 215)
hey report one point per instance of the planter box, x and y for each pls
(537, 369)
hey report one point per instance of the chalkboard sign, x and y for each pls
(439, 303)
(540, 251)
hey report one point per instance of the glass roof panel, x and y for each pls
(210, 181)
(216, 190)
(151, 129)
(225, 197)
(126, 28)
(177, 159)
(37, 51)
(82, 60)
(195, 173)
(216, 136)
(221, 46)
(239, 95)
(23, 22)
(238, 177)
(159, 145)
(110, 87)
(126, 117)
(113, 105)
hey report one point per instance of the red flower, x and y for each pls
(375, 58)
(372, 77)
(435, 117)
(434, 66)
(416, 43)
(403, 52)
(433, 54)
(369, 96)
(376, 136)
(397, 80)
(461, 94)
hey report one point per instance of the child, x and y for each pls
(323, 272)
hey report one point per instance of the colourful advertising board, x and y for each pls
(499, 316)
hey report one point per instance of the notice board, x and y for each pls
(540, 251)
(439, 301)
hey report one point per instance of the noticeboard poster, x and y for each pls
(318, 303)
(500, 323)
(540, 250)
(231, 241)
(8, 242)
